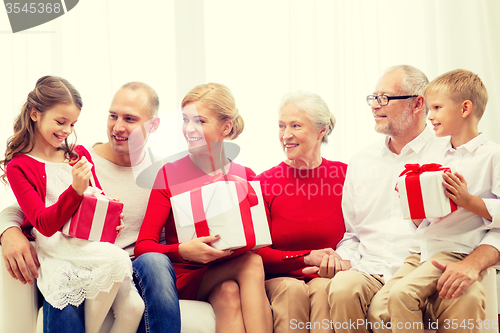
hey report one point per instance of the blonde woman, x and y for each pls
(232, 282)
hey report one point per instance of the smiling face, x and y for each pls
(129, 110)
(200, 126)
(444, 114)
(54, 125)
(395, 118)
(299, 136)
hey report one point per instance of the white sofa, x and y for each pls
(19, 312)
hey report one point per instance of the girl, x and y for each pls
(234, 286)
(49, 190)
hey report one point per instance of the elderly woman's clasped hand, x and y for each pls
(325, 262)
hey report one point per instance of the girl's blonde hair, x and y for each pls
(219, 99)
(49, 91)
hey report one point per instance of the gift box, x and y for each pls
(233, 209)
(421, 192)
(96, 218)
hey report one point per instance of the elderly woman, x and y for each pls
(303, 196)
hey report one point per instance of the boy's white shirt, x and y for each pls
(462, 231)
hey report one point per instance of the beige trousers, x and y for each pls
(410, 300)
(299, 307)
(349, 295)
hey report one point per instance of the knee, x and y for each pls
(341, 289)
(226, 296)
(293, 289)
(137, 310)
(377, 311)
(474, 296)
(151, 262)
(399, 294)
(252, 266)
(130, 309)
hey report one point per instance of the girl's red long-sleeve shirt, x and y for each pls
(28, 181)
(175, 178)
(305, 214)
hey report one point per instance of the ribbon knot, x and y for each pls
(417, 169)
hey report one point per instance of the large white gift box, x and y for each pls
(421, 191)
(232, 209)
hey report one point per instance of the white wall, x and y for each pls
(260, 49)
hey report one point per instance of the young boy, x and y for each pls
(456, 101)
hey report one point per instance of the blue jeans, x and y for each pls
(155, 280)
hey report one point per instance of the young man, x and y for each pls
(376, 239)
(457, 101)
(134, 106)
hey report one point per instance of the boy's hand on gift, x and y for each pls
(456, 187)
(456, 278)
(81, 174)
(456, 190)
(199, 251)
(315, 257)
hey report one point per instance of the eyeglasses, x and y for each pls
(383, 100)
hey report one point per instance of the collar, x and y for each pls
(468, 146)
(416, 145)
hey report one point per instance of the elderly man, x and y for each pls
(134, 106)
(377, 238)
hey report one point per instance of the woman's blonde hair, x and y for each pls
(48, 92)
(219, 99)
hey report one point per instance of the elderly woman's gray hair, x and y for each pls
(314, 106)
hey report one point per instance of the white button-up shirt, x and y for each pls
(478, 161)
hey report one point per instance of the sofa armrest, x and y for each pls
(18, 303)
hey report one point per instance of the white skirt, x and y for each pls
(72, 269)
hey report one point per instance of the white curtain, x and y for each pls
(260, 49)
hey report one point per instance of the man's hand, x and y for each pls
(329, 267)
(121, 226)
(456, 278)
(198, 250)
(19, 256)
(315, 257)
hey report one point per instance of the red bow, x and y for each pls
(417, 169)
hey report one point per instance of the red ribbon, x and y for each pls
(413, 188)
(246, 197)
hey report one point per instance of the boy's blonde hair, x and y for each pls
(461, 85)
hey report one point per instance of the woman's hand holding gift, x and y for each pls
(198, 250)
